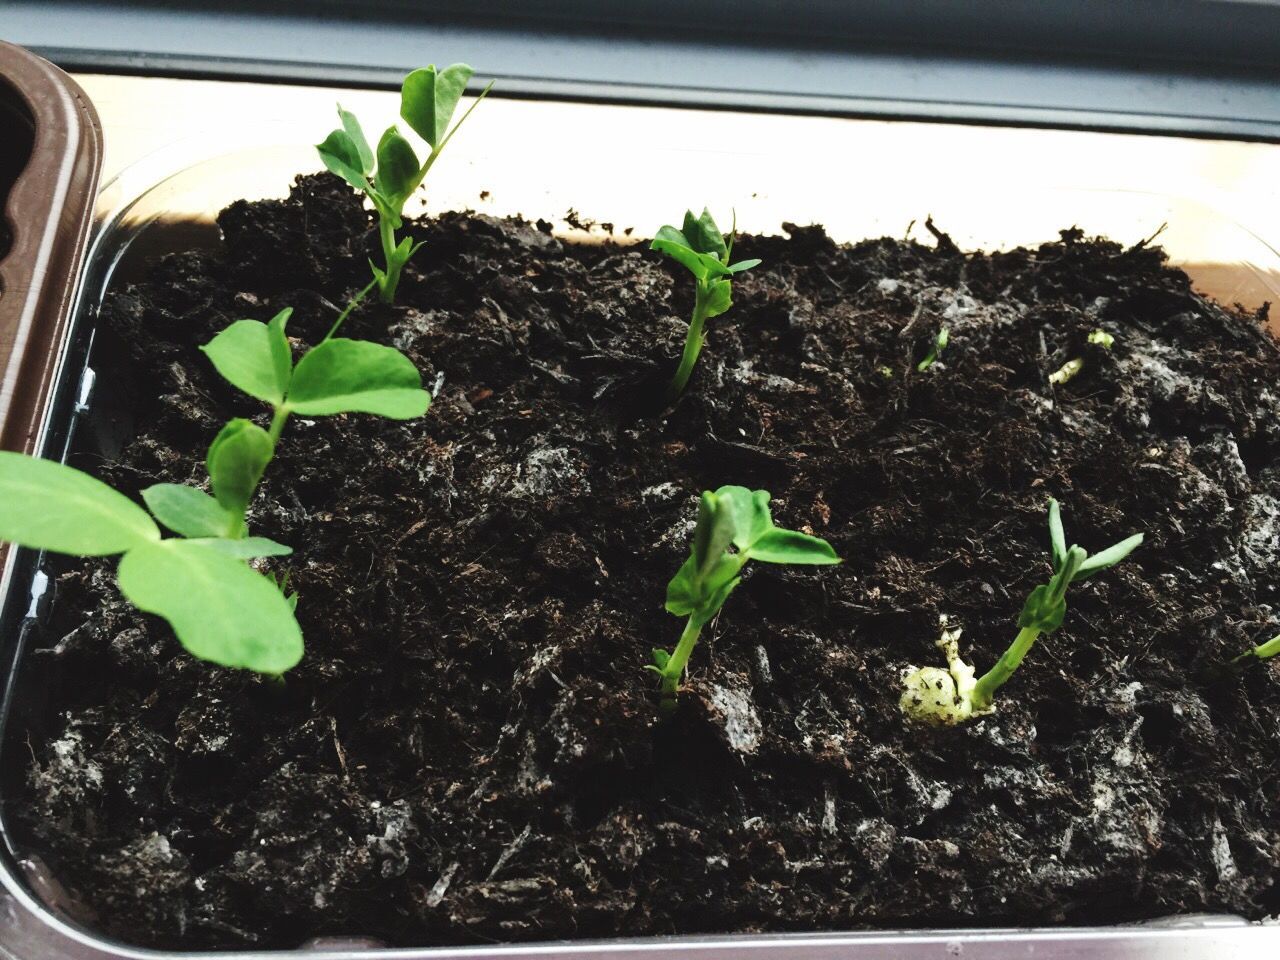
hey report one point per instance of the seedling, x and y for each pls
(945, 697)
(221, 609)
(734, 526)
(1073, 366)
(389, 176)
(1262, 651)
(705, 252)
(939, 344)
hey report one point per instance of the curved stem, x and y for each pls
(387, 289)
(991, 681)
(693, 342)
(355, 301)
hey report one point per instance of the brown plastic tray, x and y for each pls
(50, 156)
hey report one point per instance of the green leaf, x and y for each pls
(712, 605)
(792, 546)
(1057, 537)
(719, 299)
(237, 457)
(713, 534)
(704, 236)
(356, 134)
(750, 509)
(221, 610)
(254, 357)
(245, 548)
(1041, 611)
(681, 252)
(1108, 558)
(397, 165)
(660, 658)
(340, 155)
(49, 506)
(742, 265)
(356, 376)
(428, 99)
(187, 511)
(681, 590)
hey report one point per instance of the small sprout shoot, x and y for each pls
(886, 372)
(1067, 371)
(390, 175)
(1073, 366)
(705, 252)
(734, 526)
(1103, 339)
(948, 697)
(939, 344)
(1262, 651)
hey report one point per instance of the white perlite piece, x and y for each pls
(741, 724)
(941, 697)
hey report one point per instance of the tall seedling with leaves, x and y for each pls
(389, 176)
(705, 252)
(221, 609)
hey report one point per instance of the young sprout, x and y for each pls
(943, 697)
(939, 344)
(220, 608)
(1262, 651)
(389, 177)
(705, 252)
(734, 526)
(1073, 366)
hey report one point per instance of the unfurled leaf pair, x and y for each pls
(390, 175)
(220, 608)
(336, 376)
(734, 526)
(701, 248)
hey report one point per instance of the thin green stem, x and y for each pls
(347, 311)
(387, 289)
(674, 670)
(991, 681)
(693, 343)
(278, 419)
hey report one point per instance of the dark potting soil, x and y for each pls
(469, 751)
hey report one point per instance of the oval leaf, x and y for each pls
(1109, 557)
(751, 518)
(50, 506)
(245, 548)
(356, 135)
(340, 155)
(719, 299)
(356, 376)
(187, 511)
(703, 234)
(791, 546)
(248, 355)
(397, 167)
(428, 99)
(220, 609)
(237, 457)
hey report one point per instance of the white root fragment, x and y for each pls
(941, 697)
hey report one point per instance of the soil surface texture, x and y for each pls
(470, 750)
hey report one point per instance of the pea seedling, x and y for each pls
(1262, 651)
(939, 344)
(389, 176)
(1072, 367)
(220, 608)
(945, 697)
(731, 517)
(705, 252)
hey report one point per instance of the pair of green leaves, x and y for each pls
(336, 376)
(1046, 606)
(220, 608)
(702, 249)
(428, 99)
(735, 517)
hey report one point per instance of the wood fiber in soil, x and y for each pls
(468, 752)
